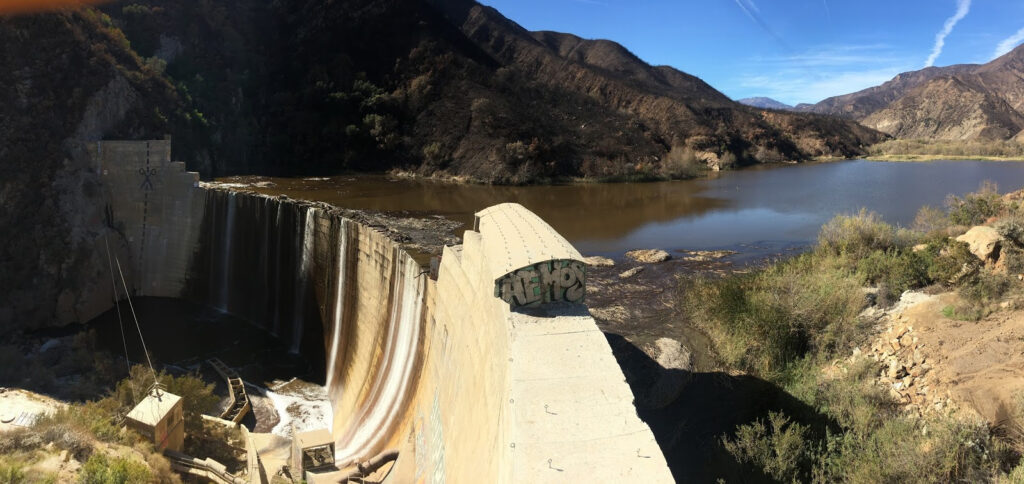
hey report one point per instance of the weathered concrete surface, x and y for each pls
(151, 225)
(508, 396)
(467, 386)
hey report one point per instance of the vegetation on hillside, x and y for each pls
(920, 149)
(302, 86)
(788, 322)
(93, 433)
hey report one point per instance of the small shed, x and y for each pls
(159, 418)
(312, 451)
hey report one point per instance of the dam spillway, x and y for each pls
(464, 384)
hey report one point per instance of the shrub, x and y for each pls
(765, 320)
(984, 289)
(975, 208)
(858, 235)
(779, 447)
(11, 474)
(896, 271)
(100, 469)
(680, 162)
(931, 221)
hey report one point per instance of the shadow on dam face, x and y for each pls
(710, 406)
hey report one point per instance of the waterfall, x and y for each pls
(339, 303)
(303, 276)
(377, 413)
(289, 267)
(225, 257)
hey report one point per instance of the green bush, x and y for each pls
(896, 271)
(859, 234)
(872, 441)
(100, 469)
(765, 320)
(11, 474)
(979, 293)
(779, 447)
(975, 208)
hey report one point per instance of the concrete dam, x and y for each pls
(487, 368)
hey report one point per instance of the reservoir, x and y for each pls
(762, 209)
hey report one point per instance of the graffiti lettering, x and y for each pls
(554, 280)
(147, 182)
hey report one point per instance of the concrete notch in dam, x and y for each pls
(492, 372)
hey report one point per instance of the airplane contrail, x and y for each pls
(751, 10)
(962, 7)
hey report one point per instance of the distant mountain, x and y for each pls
(447, 87)
(966, 101)
(435, 87)
(764, 102)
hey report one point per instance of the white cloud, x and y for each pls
(962, 7)
(811, 89)
(808, 77)
(1009, 43)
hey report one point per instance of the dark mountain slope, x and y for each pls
(446, 87)
(68, 79)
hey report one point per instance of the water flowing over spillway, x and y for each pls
(341, 293)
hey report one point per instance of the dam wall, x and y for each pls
(492, 372)
(149, 222)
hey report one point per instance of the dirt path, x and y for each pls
(980, 364)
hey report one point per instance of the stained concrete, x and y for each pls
(468, 387)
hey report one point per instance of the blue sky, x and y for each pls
(791, 50)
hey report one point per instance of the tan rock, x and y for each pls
(920, 247)
(632, 272)
(598, 261)
(649, 256)
(983, 242)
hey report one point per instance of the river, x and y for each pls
(762, 209)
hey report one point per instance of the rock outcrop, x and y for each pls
(984, 242)
(649, 256)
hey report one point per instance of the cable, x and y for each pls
(132, 307)
(120, 322)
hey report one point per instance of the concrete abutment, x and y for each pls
(467, 385)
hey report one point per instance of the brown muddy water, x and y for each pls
(757, 211)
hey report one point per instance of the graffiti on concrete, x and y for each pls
(147, 182)
(548, 281)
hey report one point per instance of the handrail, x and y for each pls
(208, 468)
(240, 404)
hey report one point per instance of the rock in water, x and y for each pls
(598, 261)
(648, 256)
(983, 241)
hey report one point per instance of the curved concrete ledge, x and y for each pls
(468, 385)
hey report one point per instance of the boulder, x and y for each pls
(677, 364)
(598, 261)
(648, 256)
(632, 272)
(983, 242)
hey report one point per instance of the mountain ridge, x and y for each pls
(957, 102)
(765, 103)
